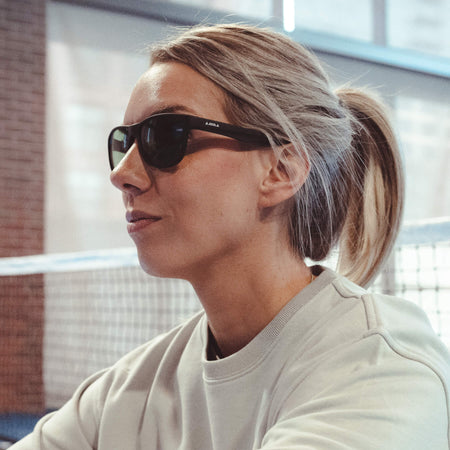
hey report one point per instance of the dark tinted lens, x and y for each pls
(119, 143)
(164, 141)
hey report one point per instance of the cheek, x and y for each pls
(219, 193)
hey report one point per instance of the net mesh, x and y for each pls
(419, 271)
(423, 277)
(87, 310)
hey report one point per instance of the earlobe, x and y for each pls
(286, 174)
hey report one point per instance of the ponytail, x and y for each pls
(376, 198)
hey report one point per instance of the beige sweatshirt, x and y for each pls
(338, 368)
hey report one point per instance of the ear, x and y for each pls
(285, 175)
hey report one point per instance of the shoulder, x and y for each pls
(100, 400)
(369, 362)
(392, 339)
(350, 332)
(339, 314)
(136, 370)
(401, 325)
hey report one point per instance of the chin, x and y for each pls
(153, 269)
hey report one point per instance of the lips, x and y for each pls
(136, 216)
(137, 220)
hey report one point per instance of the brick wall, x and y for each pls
(21, 385)
(22, 162)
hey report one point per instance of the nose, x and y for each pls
(130, 175)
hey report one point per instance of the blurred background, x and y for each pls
(66, 71)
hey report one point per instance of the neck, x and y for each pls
(240, 299)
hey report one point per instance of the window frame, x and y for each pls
(378, 52)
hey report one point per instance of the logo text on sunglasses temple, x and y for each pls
(212, 124)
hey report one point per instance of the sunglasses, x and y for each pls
(162, 139)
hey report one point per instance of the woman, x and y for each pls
(284, 355)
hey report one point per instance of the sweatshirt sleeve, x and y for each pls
(75, 425)
(392, 402)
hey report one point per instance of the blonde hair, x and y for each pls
(353, 196)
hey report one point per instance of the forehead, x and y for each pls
(174, 87)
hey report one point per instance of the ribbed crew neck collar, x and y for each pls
(251, 355)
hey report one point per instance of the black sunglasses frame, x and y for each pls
(163, 158)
